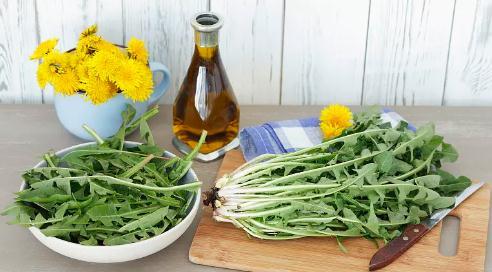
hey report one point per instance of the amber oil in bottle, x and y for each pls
(205, 100)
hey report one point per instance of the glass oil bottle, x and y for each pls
(206, 100)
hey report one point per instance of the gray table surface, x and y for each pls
(27, 131)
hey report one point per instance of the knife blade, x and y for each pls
(414, 232)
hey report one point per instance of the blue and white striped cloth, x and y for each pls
(290, 135)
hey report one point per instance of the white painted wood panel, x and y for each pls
(323, 55)
(66, 19)
(469, 75)
(165, 27)
(17, 38)
(417, 52)
(251, 48)
(407, 50)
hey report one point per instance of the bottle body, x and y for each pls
(206, 100)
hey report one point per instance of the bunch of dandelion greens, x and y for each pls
(96, 68)
(369, 182)
(108, 193)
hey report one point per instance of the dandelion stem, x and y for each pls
(94, 134)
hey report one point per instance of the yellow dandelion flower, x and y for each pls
(334, 119)
(99, 91)
(105, 64)
(83, 71)
(128, 75)
(136, 49)
(54, 64)
(60, 73)
(58, 62)
(66, 83)
(91, 30)
(337, 115)
(43, 74)
(145, 89)
(44, 48)
(96, 66)
(330, 131)
(81, 56)
(106, 46)
(103, 45)
(88, 45)
(147, 80)
(73, 59)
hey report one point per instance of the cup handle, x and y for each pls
(161, 88)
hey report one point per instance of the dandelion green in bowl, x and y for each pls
(109, 201)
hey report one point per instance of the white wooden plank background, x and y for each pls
(17, 36)
(250, 45)
(323, 54)
(407, 52)
(469, 77)
(165, 26)
(418, 52)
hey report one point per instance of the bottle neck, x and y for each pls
(207, 43)
(206, 39)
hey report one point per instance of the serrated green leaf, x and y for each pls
(428, 181)
(442, 202)
(449, 153)
(89, 242)
(384, 161)
(372, 221)
(146, 221)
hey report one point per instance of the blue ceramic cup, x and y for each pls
(74, 111)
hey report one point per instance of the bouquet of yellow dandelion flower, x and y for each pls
(334, 120)
(96, 67)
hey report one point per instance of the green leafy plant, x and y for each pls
(369, 182)
(109, 193)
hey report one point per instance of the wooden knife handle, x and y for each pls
(397, 246)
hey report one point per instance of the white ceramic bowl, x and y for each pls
(119, 253)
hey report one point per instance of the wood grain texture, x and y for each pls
(165, 27)
(419, 52)
(469, 74)
(66, 19)
(323, 55)
(251, 48)
(17, 41)
(223, 245)
(407, 50)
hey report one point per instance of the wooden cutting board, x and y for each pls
(223, 245)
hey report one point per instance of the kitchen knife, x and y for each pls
(414, 232)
